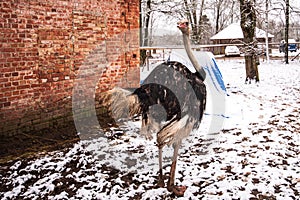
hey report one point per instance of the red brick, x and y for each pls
(6, 104)
(39, 60)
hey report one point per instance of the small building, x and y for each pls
(233, 34)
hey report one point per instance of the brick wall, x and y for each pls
(46, 45)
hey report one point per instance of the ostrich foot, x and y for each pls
(160, 183)
(177, 190)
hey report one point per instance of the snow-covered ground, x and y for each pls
(276, 53)
(255, 156)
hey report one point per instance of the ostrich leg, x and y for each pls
(177, 190)
(160, 177)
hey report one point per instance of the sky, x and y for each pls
(295, 3)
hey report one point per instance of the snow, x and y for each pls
(256, 155)
(234, 31)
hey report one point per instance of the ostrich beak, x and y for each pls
(183, 24)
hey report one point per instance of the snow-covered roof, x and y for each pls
(234, 31)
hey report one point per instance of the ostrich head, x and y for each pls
(183, 26)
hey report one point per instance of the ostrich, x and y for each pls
(182, 112)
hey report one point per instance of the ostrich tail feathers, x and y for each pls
(149, 127)
(120, 103)
(175, 131)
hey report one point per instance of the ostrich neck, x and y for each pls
(187, 46)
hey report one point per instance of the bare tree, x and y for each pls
(193, 10)
(248, 25)
(223, 13)
(277, 18)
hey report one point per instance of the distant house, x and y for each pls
(233, 34)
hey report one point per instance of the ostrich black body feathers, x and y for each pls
(179, 91)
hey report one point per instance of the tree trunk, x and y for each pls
(147, 23)
(248, 24)
(218, 9)
(187, 10)
(232, 11)
(200, 24)
(286, 36)
(144, 30)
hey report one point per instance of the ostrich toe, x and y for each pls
(177, 190)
